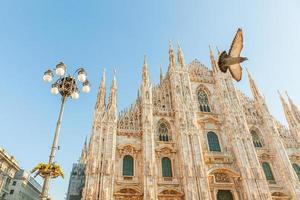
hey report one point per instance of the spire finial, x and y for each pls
(294, 108)
(286, 93)
(145, 75)
(161, 73)
(113, 92)
(114, 82)
(218, 51)
(180, 56)
(249, 75)
(212, 60)
(289, 114)
(210, 51)
(103, 77)
(253, 87)
(171, 57)
(84, 152)
(101, 93)
(281, 97)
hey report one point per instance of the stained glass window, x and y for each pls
(128, 165)
(203, 101)
(163, 132)
(268, 172)
(297, 169)
(166, 167)
(213, 142)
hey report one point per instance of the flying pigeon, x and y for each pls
(232, 60)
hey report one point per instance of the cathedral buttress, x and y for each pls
(195, 182)
(94, 156)
(108, 160)
(148, 137)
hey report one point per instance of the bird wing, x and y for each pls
(237, 44)
(236, 71)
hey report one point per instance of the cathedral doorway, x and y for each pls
(224, 195)
(225, 184)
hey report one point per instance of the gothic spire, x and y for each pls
(218, 51)
(180, 56)
(294, 109)
(161, 73)
(101, 93)
(112, 101)
(255, 92)
(213, 61)
(84, 152)
(287, 112)
(145, 74)
(171, 57)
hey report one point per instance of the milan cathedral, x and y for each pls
(193, 136)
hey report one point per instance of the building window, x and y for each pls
(256, 139)
(128, 165)
(8, 180)
(163, 132)
(224, 195)
(297, 169)
(14, 183)
(268, 172)
(166, 167)
(11, 192)
(213, 142)
(203, 101)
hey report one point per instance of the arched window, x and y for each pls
(203, 101)
(163, 132)
(128, 165)
(166, 167)
(297, 169)
(213, 142)
(256, 139)
(268, 172)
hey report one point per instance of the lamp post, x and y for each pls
(66, 86)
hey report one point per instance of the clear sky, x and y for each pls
(36, 35)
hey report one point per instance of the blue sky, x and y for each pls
(35, 35)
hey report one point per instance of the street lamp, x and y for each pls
(66, 86)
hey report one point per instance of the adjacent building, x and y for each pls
(77, 177)
(24, 187)
(192, 136)
(8, 168)
(15, 183)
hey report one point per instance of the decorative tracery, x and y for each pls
(163, 131)
(203, 101)
(256, 140)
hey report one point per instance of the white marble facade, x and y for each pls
(193, 136)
